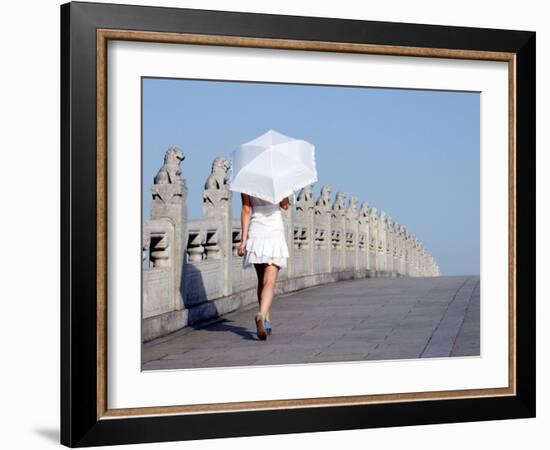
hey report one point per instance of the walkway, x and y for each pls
(362, 319)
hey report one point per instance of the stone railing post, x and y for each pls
(414, 259)
(381, 251)
(407, 252)
(170, 201)
(373, 244)
(363, 227)
(389, 246)
(422, 265)
(396, 248)
(404, 251)
(395, 255)
(216, 205)
(417, 258)
(323, 262)
(352, 234)
(304, 220)
(288, 220)
(338, 226)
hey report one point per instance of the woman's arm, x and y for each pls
(246, 212)
(284, 203)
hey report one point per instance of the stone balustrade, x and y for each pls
(191, 269)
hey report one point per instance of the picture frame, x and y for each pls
(86, 418)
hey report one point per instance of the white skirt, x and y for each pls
(266, 241)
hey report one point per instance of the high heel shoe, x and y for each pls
(268, 327)
(260, 326)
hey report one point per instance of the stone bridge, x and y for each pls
(191, 270)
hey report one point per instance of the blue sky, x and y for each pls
(411, 153)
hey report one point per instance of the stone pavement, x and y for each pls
(361, 319)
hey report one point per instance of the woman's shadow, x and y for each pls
(194, 291)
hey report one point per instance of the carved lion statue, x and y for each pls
(218, 177)
(351, 209)
(374, 214)
(339, 202)
(305, 198)
(364, 211)
(323, 202)
(170, 172)
(352, 205)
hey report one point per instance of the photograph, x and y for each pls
(287, 223)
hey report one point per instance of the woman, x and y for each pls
(263, 244)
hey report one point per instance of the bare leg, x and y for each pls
(260, 268)
(268, 291)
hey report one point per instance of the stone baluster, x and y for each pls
(373, 244)
(338, 226)
(363, 220)
(402, 251)
(169, 191)
(212, 247)
(195, 247)
(288, 220)
(389, 246)
(352, 233)
(407, 252)
(216, 199)
(236, 239)
(305, 217)
(323, 231)
(415, 260)
(382, 239)
(413, 256)
(160, 250)
(396, 248)
(418, 256)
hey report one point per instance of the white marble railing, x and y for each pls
(192, 272)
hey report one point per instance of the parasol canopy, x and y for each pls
(272, 166)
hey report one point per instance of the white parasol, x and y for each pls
(272, 166)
